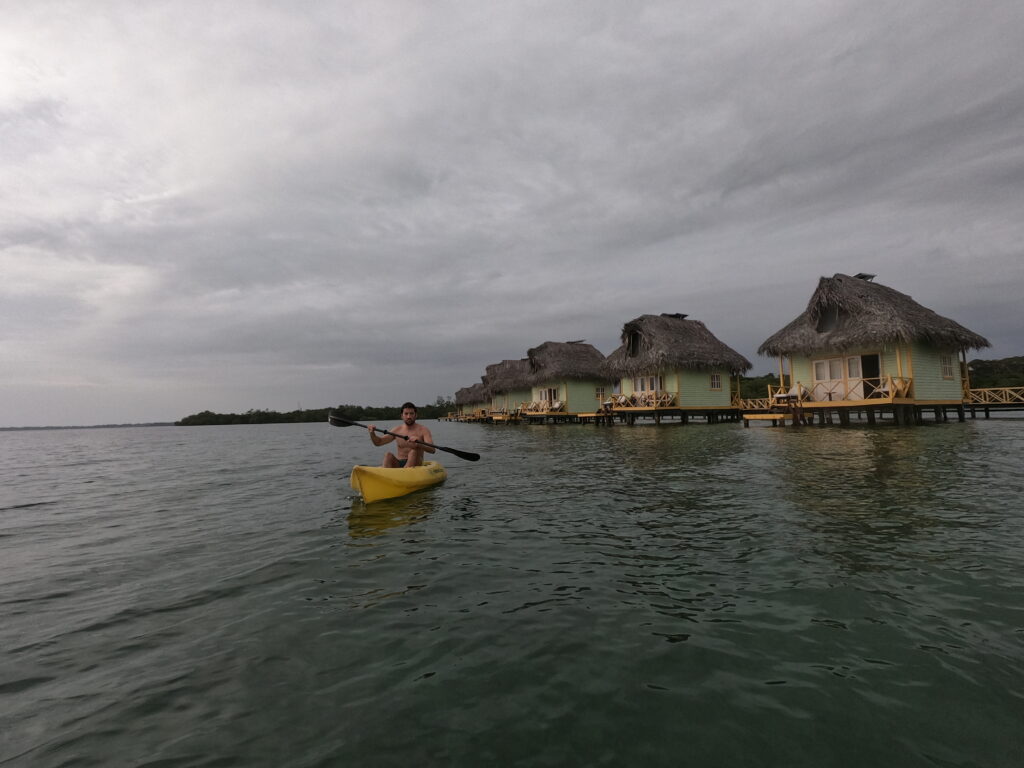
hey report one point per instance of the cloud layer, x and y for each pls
(369, 203)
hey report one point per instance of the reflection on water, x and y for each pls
(868, 492)
(580, 596)
(366, 520)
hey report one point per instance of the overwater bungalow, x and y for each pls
(509, 384)
(566, 379)
(668, 365)
(472, 402)
(862, 345)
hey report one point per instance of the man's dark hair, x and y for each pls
(409, 405)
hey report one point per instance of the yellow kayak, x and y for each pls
(376, 483)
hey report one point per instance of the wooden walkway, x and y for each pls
(763, 410)
(899, 410)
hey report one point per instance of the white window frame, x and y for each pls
(716, 381)
(648, 383)
(946, 366)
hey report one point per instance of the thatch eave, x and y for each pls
(508, 376)
(653, 344)
(476, 393)
(856, 314)
(565, 360)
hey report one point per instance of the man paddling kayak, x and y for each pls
(410, 451)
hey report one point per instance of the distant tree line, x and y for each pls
(757, 386)
(440, 407)
(1008, 372)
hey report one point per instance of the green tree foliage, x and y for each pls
(1007, 372)
(440, 407)
(757, 386)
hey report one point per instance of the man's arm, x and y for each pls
(380, 440)
(425, 436)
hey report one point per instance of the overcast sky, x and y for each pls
(235, 205)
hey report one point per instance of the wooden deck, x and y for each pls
(781, 408)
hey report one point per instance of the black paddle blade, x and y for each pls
(461, 454)
(337, 421)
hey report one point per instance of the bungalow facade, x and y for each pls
(859, 343)
(472, 402)
(669, 363)
(566, 379)
(509, 383)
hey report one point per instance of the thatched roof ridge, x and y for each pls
(853, 312)
(474, 394)
(670, 341)
(565, 360)
(508, 375)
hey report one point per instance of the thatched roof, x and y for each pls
(508, 375)
(470, 395)
(564, 360)
(670, 341)
(849, 312)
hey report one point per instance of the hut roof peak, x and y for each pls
(477, 393)
(847, 312)
(652, 343)
(508, 375)
(564, 360)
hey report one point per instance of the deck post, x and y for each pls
(960, 413)
(871, 415)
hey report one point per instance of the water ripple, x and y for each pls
(581, 596)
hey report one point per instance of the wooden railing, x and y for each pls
(658, 399)
(881, 388)
(995, 396)
(538, 407)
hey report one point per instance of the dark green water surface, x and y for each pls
(646, 596)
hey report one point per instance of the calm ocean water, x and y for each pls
(647, 596)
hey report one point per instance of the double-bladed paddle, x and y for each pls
(337, 421)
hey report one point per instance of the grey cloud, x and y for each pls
(356, 201)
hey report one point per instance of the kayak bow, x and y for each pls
(376, 483)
